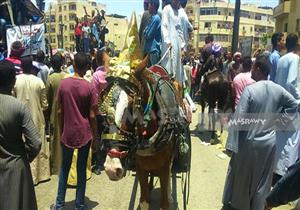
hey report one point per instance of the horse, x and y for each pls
(140, 107)
(216, 92)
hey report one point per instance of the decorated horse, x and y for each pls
(146, 123)
(142, 106)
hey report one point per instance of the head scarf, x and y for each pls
(216, 47)
(237, 54)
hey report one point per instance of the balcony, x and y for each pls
(282, 9)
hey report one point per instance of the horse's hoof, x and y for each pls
(144, 206)
(214, 141)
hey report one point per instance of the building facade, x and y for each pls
(287, 16)
(216, 17)
(60, 17)
(117, 26)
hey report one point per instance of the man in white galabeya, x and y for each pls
(287, 75)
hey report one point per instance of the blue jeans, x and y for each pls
(81, 176)
(78, 40)
(86, 45)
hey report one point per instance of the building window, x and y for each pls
(59, 8)
(72, 16)
(52, 29)
(65, 8)
(298, 24)
(202, 37)
(52, 18)
(258, 17)
(208, 11)
(53, 40)
(251, 29)
(207, 25)
(66, 38)
(244, 14)
(72, 27)
(65, 18)
(72, 7)
(60, 18)
(66, 27)
(244, 30)
(71, 38)
(229, 13)
(224, 25)
(285, 27)
(94, 4)
(217, 38)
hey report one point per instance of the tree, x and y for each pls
(264, 39)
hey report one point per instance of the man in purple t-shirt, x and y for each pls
(77, 108)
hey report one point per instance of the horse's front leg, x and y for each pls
(145, 191)
(212, 123)
(164, 177)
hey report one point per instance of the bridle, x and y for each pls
(130, 140)
(120, 137)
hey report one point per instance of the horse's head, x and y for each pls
(123, 105)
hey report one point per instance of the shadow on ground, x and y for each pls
(156, 194)
(205, 135)
(89, 204)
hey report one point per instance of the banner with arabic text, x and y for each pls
(32, 37)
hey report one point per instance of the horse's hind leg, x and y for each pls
(145, 192)
(202, 102)
(213, 124)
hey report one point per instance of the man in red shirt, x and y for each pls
(16, 51)
(77, 108)
(78, 34)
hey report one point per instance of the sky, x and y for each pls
(126, 7)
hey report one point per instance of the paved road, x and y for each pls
(207, 181)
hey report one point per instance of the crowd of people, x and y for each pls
(49, 111)
(47, 101)
(90, 33)
(263, 85)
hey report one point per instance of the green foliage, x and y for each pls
(264, 39)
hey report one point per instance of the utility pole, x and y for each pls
(236, 25)
(61, 29)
